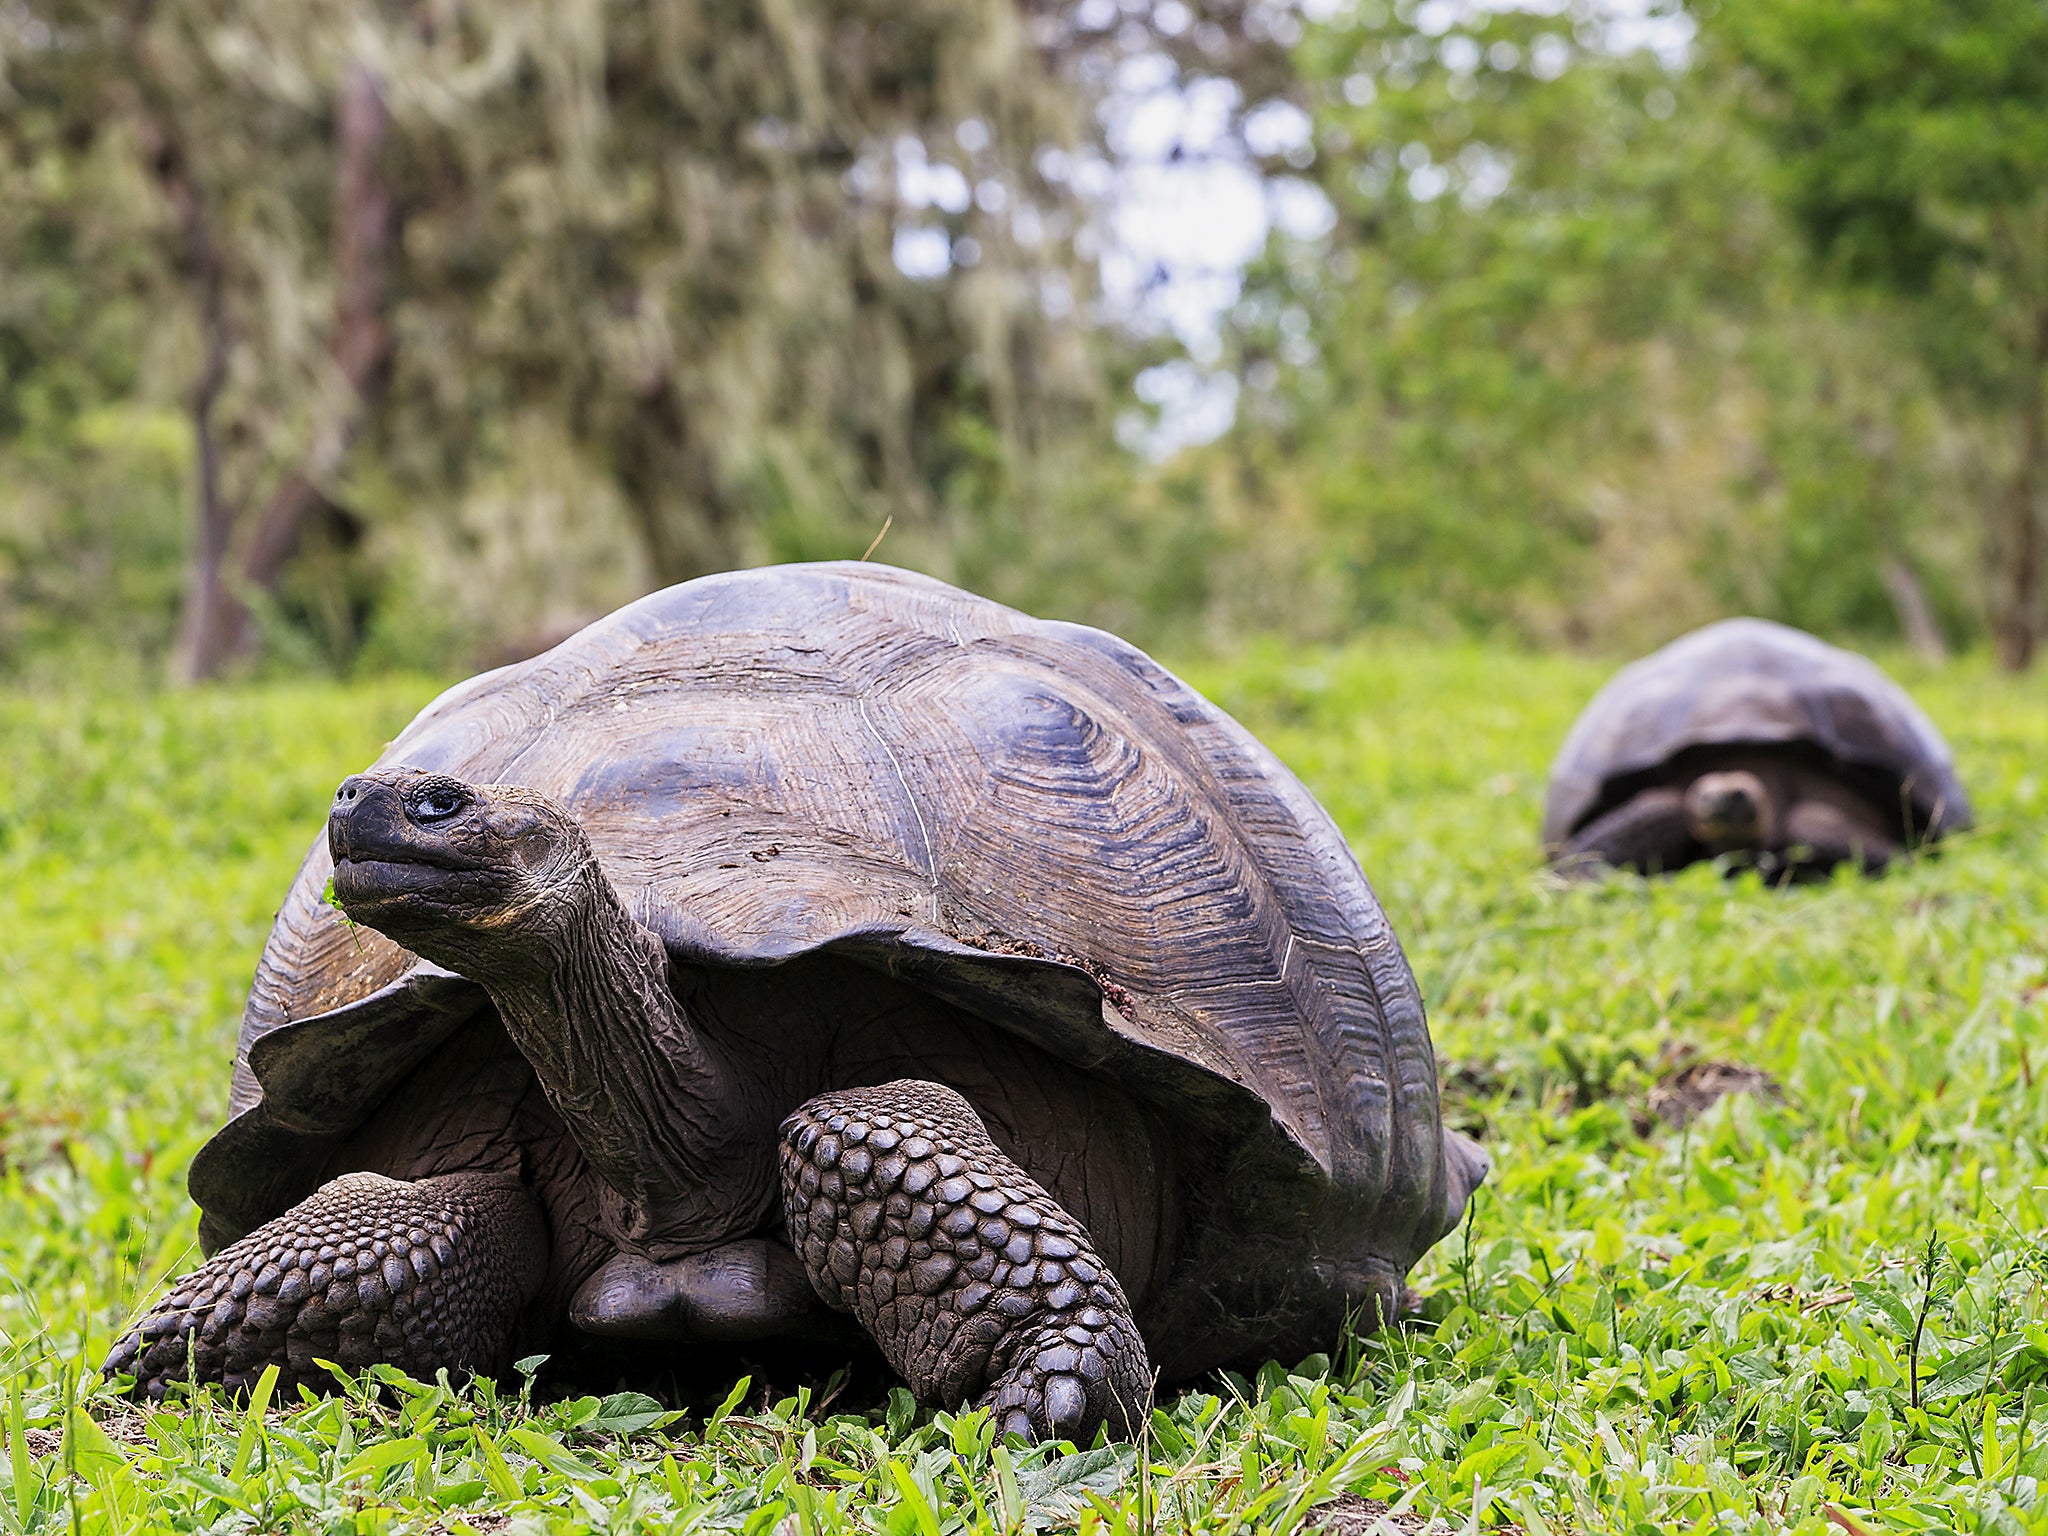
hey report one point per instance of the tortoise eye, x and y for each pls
(436, 804)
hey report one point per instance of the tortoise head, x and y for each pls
(453, 871)
(1731, 810)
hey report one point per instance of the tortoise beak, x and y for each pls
(367, 820)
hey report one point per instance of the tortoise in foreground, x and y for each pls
(1751, 739)
(822, 937)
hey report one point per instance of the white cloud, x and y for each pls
(1193, 405)
(1427, 183)
(1275, 127)
(925, 183)
(1298, 208)
(922, 252)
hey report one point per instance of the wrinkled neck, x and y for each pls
(658, 1111)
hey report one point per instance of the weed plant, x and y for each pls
(1822, 1313)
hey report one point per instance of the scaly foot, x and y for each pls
(364, 1270)
(972, 1279)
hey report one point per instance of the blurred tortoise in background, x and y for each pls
(822, 936)
(1751, 739)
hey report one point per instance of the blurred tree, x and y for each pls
(91, 465)
(272, 223)
(1913, 137)
(1554, 367)
(777, 271)
(216, 626)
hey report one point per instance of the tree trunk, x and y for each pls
(207, 623)
(2019, 621)
(218, 628)
(1916, 614)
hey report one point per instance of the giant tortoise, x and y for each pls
(1752, 740)
(822, 936)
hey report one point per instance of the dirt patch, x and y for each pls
(1118, 995)
(1350, 1515)
(485, 1522)
(1785, 1293)
(121, 1428)
(1681, 1096)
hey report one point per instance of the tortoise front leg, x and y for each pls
(972, 1279)
(1820, 834)
(1646, 833)
(365, 1270)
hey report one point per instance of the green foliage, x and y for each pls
(639, 314)
(94, 458)
(1557, 368)
(92, 514)
(1560, 371)
(1912, 141)
(1912, 138)
(1733, 1327)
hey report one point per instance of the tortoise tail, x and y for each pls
(1466, 1166)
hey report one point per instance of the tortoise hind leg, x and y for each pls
(365, 1270)
(969, 1275)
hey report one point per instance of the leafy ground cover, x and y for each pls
(1822, 1312)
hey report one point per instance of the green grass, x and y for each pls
(1712, 1329)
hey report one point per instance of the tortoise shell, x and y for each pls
(1750, 682)
(1031, 820)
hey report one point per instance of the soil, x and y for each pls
(1682, 1096)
